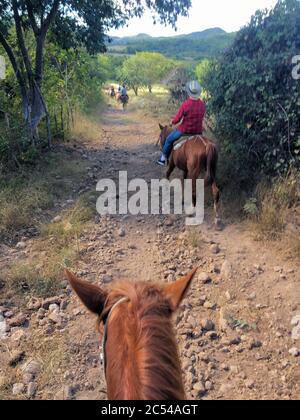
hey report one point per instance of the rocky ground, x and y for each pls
(238, 330)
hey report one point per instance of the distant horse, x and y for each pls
(123, 99)
(141, 360)
(197, 153)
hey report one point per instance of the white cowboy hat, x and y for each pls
(194, 89)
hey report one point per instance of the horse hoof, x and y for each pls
(218, 224)
(190, 211)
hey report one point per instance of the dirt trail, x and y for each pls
(234, 329)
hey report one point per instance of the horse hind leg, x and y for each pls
(170, 168)
(216, 197)
(193, 175)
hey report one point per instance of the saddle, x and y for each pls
(179, 143)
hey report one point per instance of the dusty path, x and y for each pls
(234, 329)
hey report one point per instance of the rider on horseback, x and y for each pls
(124, 91)
(191, 115)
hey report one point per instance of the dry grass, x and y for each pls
(87, 128)
(72, 223)
(155, 105)
(59, 246)
(50, 352)
(25, 198)
(275, 212)
(274, 205)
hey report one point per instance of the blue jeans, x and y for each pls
(175, 135)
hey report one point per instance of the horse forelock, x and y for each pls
(143, 361)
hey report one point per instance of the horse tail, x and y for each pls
(211, 164)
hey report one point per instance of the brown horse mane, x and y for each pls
(142, 335)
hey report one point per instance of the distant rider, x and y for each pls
(191, 116)
(124, 91)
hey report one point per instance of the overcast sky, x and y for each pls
(229, 15)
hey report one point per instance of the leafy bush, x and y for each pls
(254, 100)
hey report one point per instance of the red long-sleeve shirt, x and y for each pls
(192, 113)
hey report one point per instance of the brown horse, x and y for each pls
(197, 153)
(123, 99)
(141, 356)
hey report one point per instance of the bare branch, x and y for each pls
(9, 51)
(21, 41)
(32, 17)
(51, 16)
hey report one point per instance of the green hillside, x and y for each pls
(197, 45)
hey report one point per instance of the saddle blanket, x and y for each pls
(179, 143)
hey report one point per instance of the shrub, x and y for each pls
(254, 99)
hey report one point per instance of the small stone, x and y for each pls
(226, 270)
(212, 335)
(295, 321)
(32, 367)
(232, 340)
(234, 370)
(17, 321)
(16, 357)
(21, 245)
(41, 313)
(204, 278)
(54, 307)
(3, 327)
(122, 233)
(225, 389)
(296, 333)
(55, 318)
(106, 279)
(294, 352)
(223, 321)
(57, 219)
(250, 384)
(209, 305)
(255, 344)
(34, 304)
(199, 389)
(228, 296)
(215, 249)
(225, 367)
(208, 386)
(27, 378)
(18, 389)
(31, 389)
(207, 325)
(49, 301)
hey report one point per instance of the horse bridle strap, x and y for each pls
(103, 352)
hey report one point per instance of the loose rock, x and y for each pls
(18, 389)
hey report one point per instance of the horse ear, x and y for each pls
(161, 127)
(176, 292)
(93, 297)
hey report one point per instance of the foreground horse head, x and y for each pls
(197, 154)
(141, 356)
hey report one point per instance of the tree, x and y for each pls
(73, 23)
(144, 70)
(202, 70)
